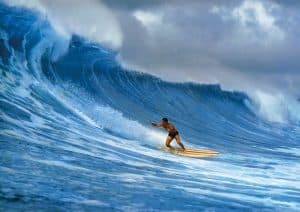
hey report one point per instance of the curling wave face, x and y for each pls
(75, 133)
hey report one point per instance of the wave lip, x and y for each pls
(66, 20)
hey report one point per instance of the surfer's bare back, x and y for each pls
(173, 133)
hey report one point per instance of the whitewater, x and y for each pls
(75, 133)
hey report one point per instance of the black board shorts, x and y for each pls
(173, 133)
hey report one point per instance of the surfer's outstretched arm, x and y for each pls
(156, 124)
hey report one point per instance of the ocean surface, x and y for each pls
(75, 133)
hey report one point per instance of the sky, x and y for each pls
(242, 45)
(239, 44)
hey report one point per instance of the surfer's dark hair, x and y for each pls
(165, 119)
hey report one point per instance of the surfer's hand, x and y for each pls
(153, 124)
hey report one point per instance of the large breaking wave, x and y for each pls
(75, 133)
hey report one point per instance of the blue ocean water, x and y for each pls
(75, 133)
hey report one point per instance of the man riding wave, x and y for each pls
(173, 133)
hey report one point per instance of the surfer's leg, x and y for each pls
(178, 140)
(168, 141)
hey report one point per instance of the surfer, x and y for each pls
(173, 133)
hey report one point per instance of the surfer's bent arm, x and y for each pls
(156, 124)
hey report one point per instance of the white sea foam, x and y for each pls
(115, 121)
(275, 107)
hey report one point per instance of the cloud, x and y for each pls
(253, 16)
(242, 45)
(148, 19)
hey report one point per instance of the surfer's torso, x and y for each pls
(170, 127)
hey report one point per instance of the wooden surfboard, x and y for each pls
(194, 153)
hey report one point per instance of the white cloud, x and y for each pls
(255, 20)
(255, 13)
(148, 19)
